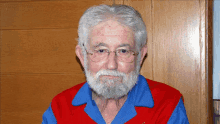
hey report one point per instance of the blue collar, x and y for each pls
(140, 96)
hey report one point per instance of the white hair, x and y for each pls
(124, 14)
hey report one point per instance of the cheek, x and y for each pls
(94, 67)
(126, 67)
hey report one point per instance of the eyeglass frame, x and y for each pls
(134, 53)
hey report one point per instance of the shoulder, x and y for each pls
(166, 99)
(68, 94)
(61, 104)
(158, 88)
(163, 91)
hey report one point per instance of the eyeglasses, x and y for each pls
(122, 54)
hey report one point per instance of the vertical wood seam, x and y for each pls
(152, 45)
(0, 61)
(204, 62)
(200, 33)
(208, 53)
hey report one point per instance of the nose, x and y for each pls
(112, 61)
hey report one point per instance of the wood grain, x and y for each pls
(38, 55)
(39, 51)
(204, 100)
(208, 58)
(24, 117)
(96, 2)
(44, 14)
(176, 46)
(26, 95)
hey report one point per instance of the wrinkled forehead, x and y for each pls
(111, 32)
(110, 27)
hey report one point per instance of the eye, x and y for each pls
(101, 51)
(123, 51)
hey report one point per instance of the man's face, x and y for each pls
(111, 77)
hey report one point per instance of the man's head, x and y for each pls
(111, 47)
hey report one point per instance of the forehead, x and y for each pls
(111, 33)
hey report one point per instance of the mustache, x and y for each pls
(109, 73)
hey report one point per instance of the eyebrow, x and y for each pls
(99, 44)
(104, 44)
(123, 45)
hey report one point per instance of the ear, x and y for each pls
(79, 54)
(143, 53)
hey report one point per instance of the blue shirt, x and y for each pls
(140, 95)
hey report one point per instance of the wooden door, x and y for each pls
(38, 57)
(178, 50)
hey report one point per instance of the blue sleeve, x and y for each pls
(48, 117)
(179, 114)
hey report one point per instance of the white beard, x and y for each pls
(112, 88)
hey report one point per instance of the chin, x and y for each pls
(111, 84)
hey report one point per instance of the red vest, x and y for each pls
(165, 99)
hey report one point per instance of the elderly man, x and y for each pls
(111, 48)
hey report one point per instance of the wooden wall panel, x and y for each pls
(39, 51)
(176, 46)
(30, 117)
(25, 96)
(38, 55)
(95, 2)
(206, 101)
(207, 53)
(32, 90)
(45, 14)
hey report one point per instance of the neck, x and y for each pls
(103, 103)
(108, 107)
